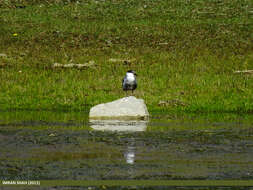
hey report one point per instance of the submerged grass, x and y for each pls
(185, 53)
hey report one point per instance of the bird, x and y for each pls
(129, 82)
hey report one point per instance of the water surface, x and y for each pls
(66, 145)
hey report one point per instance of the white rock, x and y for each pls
(124, 108)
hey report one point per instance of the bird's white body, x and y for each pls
(130, 77)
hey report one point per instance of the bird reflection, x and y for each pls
(130, 154)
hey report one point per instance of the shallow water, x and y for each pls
(66, 145)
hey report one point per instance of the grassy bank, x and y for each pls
(185, 53)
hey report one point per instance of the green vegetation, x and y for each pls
(184, 51)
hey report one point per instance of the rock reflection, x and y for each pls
(117, 125)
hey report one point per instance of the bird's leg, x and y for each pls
(132, 92)
(126, 92)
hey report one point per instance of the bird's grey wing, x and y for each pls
(123, 81)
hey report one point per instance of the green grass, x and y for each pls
(184, 50)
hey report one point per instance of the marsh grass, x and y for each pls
(183, 50)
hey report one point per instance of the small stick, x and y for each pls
(245, 71)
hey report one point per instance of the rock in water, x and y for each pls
(124, 108)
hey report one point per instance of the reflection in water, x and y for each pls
(126, 126)
(130, 154)
(198, 147)
(117, 125)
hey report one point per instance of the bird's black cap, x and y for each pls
(131, 71)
